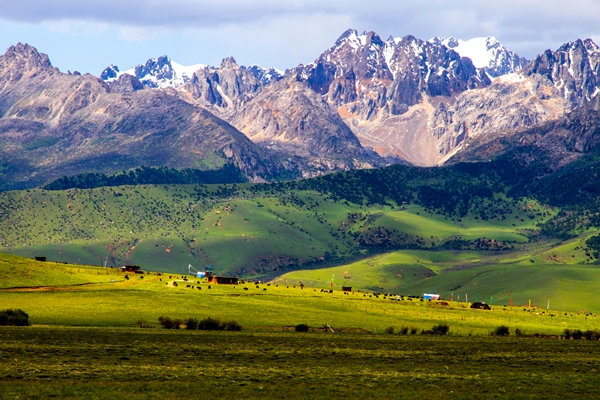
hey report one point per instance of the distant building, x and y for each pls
(223, 280)
(431, 296)
(346, 288)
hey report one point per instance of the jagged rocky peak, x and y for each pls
(21, 59)
(227, 87)
(264, 75)
(371, 78)
(228, 62)
(111, 72)
(162, 72)
(26, 52)
(485, 52)
(574, 69)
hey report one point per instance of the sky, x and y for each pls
(89, 35)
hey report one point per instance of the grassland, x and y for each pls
(115, 301)
(85, 342)
(92, 363)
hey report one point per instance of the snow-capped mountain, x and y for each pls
(159, 72)
(367, 75)
(162, 72)
(485, 52)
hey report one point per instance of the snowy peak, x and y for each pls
(370, 77)
(159, 72)
(485, 52)
(162, 72)
(110, 73)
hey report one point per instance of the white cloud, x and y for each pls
(285, 33)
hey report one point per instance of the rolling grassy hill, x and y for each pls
(561, 274)
(238, 229)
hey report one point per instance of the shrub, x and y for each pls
(591, 335)
(390, 330)
(191, 324)
(576, 334)
(166, 322)
(210, 324)
(301, 328)
(404, 330)
(440, 329)
(143, 324)
(414, 330)
(568, 333)
(177, 323)
(12, 317)
(502, 330)
(232, 326)
(519, 332)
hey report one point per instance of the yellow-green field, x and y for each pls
(255, 306)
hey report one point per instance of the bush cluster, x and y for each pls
(579, 334)
(502, 330)
(301, 328)
(12, 317)
(439, 329)
(206, 324)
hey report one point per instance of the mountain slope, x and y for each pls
(54, 124)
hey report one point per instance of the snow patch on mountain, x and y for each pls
(485, 52)
(161, 72)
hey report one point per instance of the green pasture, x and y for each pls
(17, 271)
(106, 363)
(113, 300)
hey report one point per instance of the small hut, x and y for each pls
(132, 268)
(346, 288)
(223, 280)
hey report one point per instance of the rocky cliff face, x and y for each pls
(370, 78)
(53, 124)
(282, 115)
(574, 69)
(224, 89)
(554, 83)
(385, 91)
(557, 142)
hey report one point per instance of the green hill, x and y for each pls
(560, 274)
(241, 229)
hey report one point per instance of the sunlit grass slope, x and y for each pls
(116, 301)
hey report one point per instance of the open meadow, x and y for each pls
(95, 334)
(108, 363)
